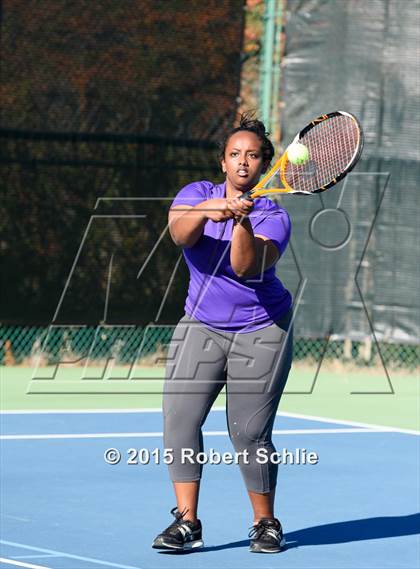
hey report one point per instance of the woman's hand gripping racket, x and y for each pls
(318, 158)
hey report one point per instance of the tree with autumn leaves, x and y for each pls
(167, 68)
(157, 68)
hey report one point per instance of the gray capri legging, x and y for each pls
(254, 366)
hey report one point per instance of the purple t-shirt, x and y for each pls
(216, 295)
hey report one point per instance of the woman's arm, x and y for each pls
(186, 223)
(251, 254)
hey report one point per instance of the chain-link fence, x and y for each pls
(20, 345)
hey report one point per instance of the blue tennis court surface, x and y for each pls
(63, 506)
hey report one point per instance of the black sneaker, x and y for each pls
(267, 536)
(181, 535)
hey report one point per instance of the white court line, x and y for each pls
(37, 555)
(87, 411)
(19, 519)
(350, 423)
(160, 434)
(63, 554)
(83, 411)
(159, 410)
(21, 564)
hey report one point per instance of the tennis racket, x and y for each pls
(334, 143)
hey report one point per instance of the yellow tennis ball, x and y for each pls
(297, 153)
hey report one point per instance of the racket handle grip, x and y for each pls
(246, 195)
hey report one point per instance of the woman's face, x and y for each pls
(243, 162)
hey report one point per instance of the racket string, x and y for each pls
(332, 144)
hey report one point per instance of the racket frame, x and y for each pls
(281, 163)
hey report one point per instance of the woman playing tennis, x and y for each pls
(236, 332)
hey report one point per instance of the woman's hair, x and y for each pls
(249, 123)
